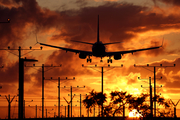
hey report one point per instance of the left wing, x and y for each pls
(68, 49)
(130, 51)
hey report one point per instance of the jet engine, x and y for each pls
(82, 56)
(117, 57)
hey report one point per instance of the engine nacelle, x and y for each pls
(117, 57)
(82, 56)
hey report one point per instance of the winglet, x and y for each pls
(36, 40)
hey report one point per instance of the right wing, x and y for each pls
(130, 51)
(68, 49)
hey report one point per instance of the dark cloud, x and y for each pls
(118, 22)
(173, 2)
(9, 73)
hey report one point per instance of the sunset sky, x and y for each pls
(137, 24)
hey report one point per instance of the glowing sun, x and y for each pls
(134, 113)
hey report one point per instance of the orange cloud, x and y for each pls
(118, 23)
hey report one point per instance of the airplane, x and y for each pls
(99, 49)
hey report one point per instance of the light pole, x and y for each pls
(80, 102)
(64, 111)
(68, 105)
(102, 71)
(43, 78)
(59, 90)
(71, 94)
(21, 75)
(35, 110)
(154, 71)
(175, 107)
(150, 91)
(1, 67)
(9, 105)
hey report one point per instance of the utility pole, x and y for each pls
(46, 113)
(154, 71)
(71, 95)
(9, 105)
(102, 71)
(24, 106)
(80, 102)
(64, 110)
(68, 106)
(43, 78)
(36, 111)
(59, 90)
(21, 76)
(175, 107)
(94, 111)
(1, 67)
(150, 92)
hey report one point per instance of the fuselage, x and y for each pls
(98, 49)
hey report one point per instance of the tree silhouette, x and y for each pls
(93, 99)
(117, 106)
(166, 106)
(139, 103)
(120, 99)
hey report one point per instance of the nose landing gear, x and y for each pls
(101, 60)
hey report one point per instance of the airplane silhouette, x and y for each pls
(98, 49)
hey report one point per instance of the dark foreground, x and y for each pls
(106, 118)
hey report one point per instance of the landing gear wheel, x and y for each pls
(109, 60)
(101, 60)
(89, 60)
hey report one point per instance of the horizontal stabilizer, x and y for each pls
(111, 43)
(82, 42)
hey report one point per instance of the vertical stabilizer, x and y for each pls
(98, 30)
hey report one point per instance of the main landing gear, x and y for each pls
(109, 60)
(89, 60)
